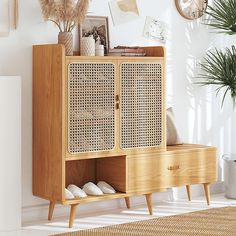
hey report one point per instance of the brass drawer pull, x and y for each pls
(117, 98)
(174, 167)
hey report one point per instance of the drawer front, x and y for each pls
(147, 173)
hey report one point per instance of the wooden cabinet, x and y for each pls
(104, 118)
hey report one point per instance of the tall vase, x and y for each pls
(66, 38)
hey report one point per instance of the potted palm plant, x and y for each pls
(66, 14)
(223, 16)
(219, 68)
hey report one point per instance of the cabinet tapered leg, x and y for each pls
(189, 192)
(50, 210)
(127, 202)
(149, 202)
(72, 215)
(207, 192)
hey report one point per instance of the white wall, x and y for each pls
(197, 110)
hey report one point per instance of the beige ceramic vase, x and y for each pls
(87, 46)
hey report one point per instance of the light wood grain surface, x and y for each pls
(172, 168)
(48, 165)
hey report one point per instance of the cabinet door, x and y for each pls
(142, 102)
(91, 110)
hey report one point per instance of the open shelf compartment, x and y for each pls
(111, 170)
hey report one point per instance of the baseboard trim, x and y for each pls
(40, 212)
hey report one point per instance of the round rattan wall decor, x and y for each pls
(191, 9)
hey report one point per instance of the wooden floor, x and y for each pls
(163, 208)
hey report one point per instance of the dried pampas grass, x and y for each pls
(66, 14)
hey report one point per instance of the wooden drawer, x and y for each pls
(171, 169)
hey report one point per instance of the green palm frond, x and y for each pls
(219, 69)
(223, 13)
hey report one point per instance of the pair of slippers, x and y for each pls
(90, 188)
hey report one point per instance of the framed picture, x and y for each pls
(154, 30)
(98, 27)
(124, 11)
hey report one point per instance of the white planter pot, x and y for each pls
(230, 175)
(10, 153)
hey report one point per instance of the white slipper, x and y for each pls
(105, 187)
(68, 194)
(76, 191)
(92, 189)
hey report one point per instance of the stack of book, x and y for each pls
(127, 51)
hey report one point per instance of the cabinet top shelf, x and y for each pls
(151, 52)
(99, 58)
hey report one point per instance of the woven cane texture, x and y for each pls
(213, 222)
(91, 94)
(141, 105)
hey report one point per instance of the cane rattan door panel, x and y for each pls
(141, 105)
(91, 111)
